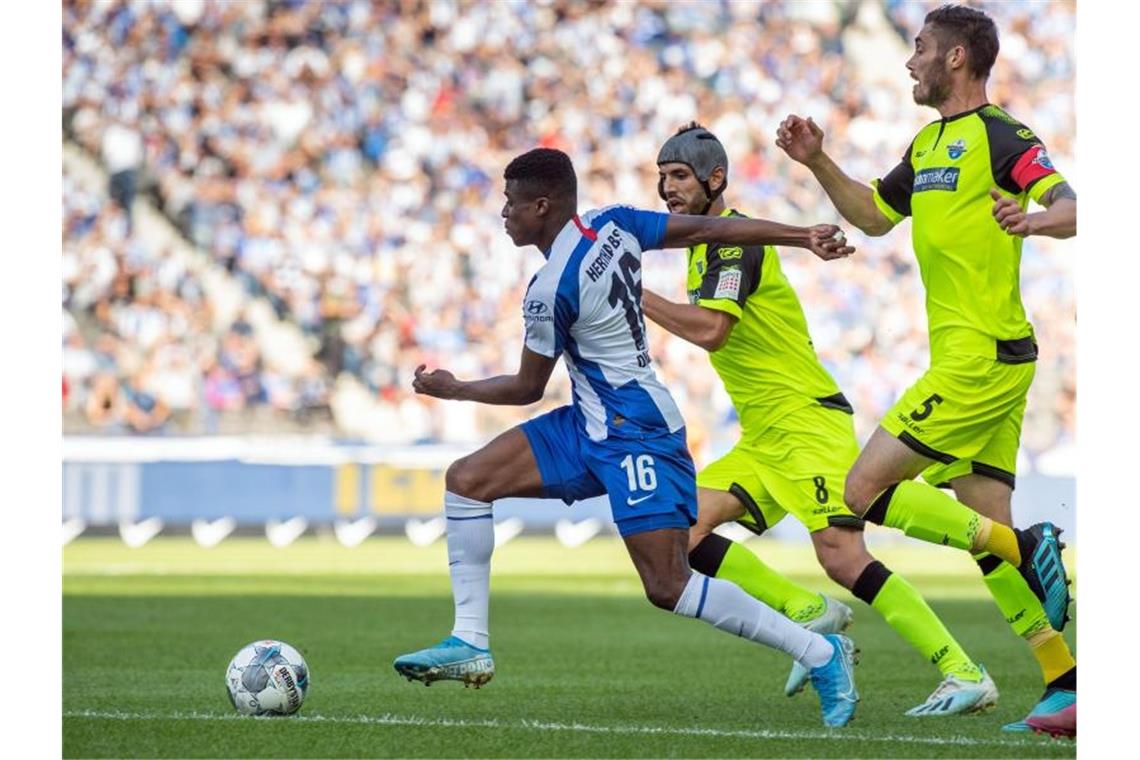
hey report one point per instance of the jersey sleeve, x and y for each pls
(1018, 158)
(547, 319)
(892, 192)
(732, 274)
(647, 226)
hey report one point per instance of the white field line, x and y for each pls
(388, 719)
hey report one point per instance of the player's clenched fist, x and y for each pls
(828, 242)
(801, 139)
(1009, 214)
(439, 383)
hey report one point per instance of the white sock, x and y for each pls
(470, 541)
(729, 608)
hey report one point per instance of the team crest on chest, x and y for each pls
(956, 149)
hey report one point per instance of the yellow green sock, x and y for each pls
(907, 612)
(718, 557)
(1026, 616)
(924, 512)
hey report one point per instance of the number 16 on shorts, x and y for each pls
(639, 472)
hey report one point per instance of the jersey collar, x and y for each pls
(955, 117)
(567, 230)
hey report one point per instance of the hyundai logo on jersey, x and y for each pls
(535, 307)
(956, 149)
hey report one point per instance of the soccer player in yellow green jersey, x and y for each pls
(965, 181)
(797, 437)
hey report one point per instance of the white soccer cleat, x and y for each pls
(955, 696)
(836, 618)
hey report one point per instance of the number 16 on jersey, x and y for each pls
(640, 472)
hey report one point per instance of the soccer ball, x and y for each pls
(267, 678)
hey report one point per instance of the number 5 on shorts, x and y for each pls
(640, 472)
(927, 408)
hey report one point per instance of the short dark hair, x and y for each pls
(971, 28)
(544, 171)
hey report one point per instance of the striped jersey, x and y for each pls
(585, 305)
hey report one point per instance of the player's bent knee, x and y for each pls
(465, 479)
(857, 494)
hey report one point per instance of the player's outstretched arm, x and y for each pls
(824, 240)
(1058, 220)
(802, 140)
(706, 328)
(524, 387)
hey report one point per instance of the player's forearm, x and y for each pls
(1057, 221)
(685, 230)
(854, 200)
(506, 390)
(695, 324)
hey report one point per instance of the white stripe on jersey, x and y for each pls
(585, 303)
(588, 400)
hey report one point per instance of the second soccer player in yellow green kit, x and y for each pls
(965, 181)
(797, 437)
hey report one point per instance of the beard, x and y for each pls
(937, 88)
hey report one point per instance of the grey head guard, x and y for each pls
(702, 152)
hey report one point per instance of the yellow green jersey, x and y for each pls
(767, 364)
(969, 265)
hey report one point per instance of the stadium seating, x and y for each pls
(342, 161)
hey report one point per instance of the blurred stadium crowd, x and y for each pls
(343, 160)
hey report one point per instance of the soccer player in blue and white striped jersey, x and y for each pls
(622, 435)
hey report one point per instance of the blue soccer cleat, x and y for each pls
(1043, 570)
(1055, 714)
(835, 618)
(835, 682)
(452, 659)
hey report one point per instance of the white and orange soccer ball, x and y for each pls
(267, 678)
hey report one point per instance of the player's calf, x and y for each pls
(842, 554)
(661, 562)
(664, 592)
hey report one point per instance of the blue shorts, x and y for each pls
(651, 482)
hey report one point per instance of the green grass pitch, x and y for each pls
(585, 666)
